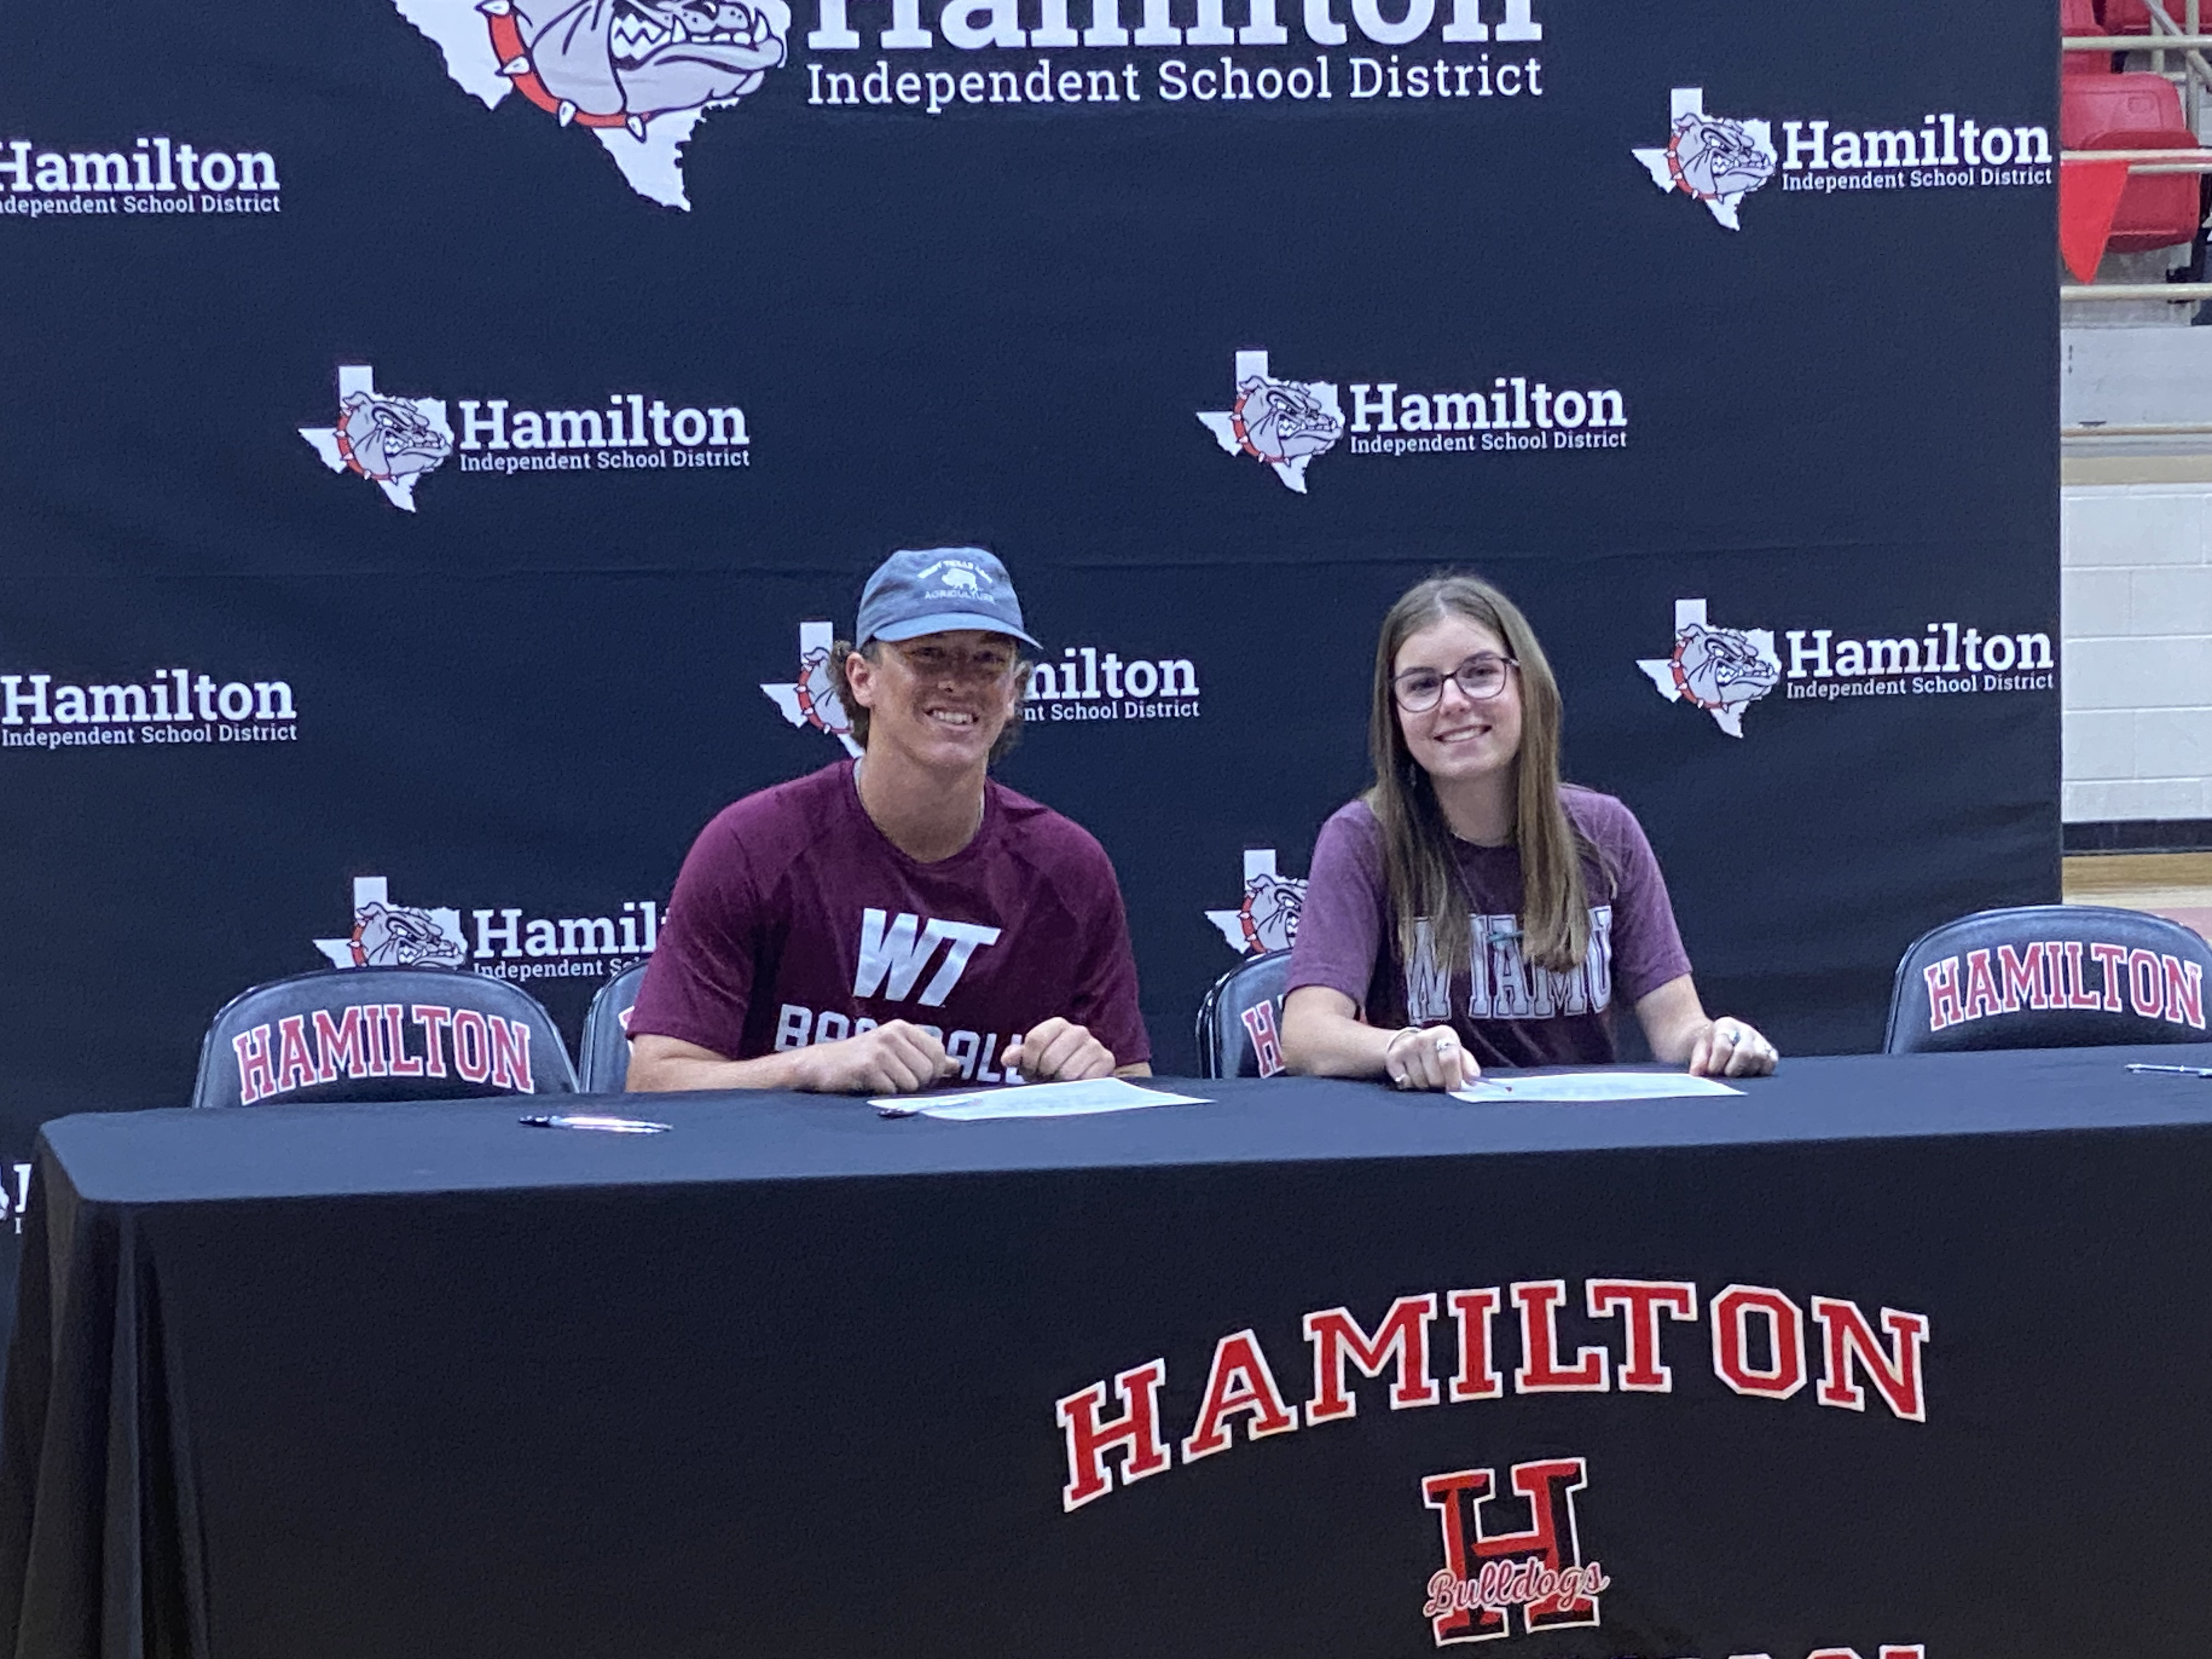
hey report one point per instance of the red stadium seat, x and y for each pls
(2124, 16)
(2079, 17)
(2135, 112)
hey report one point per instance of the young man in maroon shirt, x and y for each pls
(902, 921)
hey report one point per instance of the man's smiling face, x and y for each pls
(942, 698)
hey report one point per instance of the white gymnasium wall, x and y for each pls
(2137, 668)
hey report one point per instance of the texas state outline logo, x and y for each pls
(1711, 159)
(1723, 671)
(389, 440)
(1282, 424)
(809, 699)
(1266, 917)
(636, 74)
(388, 935)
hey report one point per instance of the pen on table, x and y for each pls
(613, 1126)
(2177, 1070)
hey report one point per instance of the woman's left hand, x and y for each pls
(1728, 1048)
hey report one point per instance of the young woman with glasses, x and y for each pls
(1470, 909)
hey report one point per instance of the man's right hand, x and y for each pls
(896, 1058)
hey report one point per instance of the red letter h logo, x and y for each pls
(1500, 1571)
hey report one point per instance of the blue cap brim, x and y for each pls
(944, 623)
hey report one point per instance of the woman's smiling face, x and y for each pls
(1461, 737)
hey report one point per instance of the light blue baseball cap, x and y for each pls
(933, 590)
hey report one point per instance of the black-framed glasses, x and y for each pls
(1480, 678)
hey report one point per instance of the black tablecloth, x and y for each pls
(318, 1382)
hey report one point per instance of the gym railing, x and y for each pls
(2184, 39)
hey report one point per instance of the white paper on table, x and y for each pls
(1593, 1085)
(1080, 1099)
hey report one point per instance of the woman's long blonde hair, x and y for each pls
(1418, 866)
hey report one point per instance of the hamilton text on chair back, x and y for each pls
(380, 1034)
(2050, 976)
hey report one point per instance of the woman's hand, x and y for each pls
(1428, 1057)
(1324, 1036)
(1675, 1025)
(1729, 1048)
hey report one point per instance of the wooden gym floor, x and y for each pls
(2176, 884)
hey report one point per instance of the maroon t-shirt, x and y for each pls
(1507, 1011)
(796, 921)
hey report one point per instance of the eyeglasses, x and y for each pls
(1480, 678)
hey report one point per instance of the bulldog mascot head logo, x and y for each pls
(388, 935)
(637, 73)
(1709, 158)
(388, 440)
(810, 700)
(625, 63)
(1268, 919)
(1282, 424)
(1723, 671)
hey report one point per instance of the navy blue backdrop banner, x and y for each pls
(439, 439)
